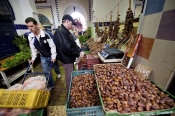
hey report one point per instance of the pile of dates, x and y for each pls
(124, 91)
(84, 91)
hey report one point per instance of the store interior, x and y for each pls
(128, 67)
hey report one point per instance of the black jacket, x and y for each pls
(67, 49)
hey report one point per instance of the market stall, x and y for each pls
(123, 90)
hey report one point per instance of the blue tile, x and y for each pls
(105, 23)
(154, 6)
(20, 26)
(166, 30)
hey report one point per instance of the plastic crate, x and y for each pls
(82, 66)
(35, 113)
(31, 99)
(92, 60)
(83, 63)
(144, 113)
(85, 111)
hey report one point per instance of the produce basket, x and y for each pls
(143, 113)
(30, 99)
(83, 63)
(39, 112)
(85, 111)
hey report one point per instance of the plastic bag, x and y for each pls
(37, 85)
(30, 80)
(16, 87)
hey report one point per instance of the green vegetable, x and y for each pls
(20, 57)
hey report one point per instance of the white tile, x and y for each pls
(137, 59)
(140, 22)
(150, 25)
(160, 75)
(169, 5)
(163, 53)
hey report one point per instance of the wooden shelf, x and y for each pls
(11, 74)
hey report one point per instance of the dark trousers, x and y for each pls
(68, 69)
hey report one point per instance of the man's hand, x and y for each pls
(53, 60)
(81, 54)
(32, 61)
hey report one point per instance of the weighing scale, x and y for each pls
(111, 55)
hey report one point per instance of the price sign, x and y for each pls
(143, 71)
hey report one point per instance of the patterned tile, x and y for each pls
(151, 25)
(154, 6)
(166, 29)
(43, 7)
(20, 26)
(90, 8)
(169, 5)
(163, 53)
(136, 6)
(105, 23)
(159, 75)
(58, 16)
(145, 47)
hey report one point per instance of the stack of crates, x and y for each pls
(91, 60)
(87, 62)
(83, 63)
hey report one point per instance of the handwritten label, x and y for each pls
(143, 71)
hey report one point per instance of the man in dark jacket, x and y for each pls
(66, 47)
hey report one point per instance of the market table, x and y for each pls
(11, 74)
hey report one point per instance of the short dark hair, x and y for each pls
(30, 19)
(63, 21)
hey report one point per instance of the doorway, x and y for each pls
(78, 16)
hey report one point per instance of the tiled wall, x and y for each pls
(90, 8)
(57, 12)
(157, 47)
(43, 7)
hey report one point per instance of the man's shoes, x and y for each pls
(59, 76)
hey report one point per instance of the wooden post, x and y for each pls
(103, 23)
(111, 16)
(106, 20)
(117, 12)
(130, 4)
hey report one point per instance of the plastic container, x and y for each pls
(91, 60)
(39, 112)
(144, 113)
(31, 99)
(83, 63)
(82, 66)
(85, 111)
